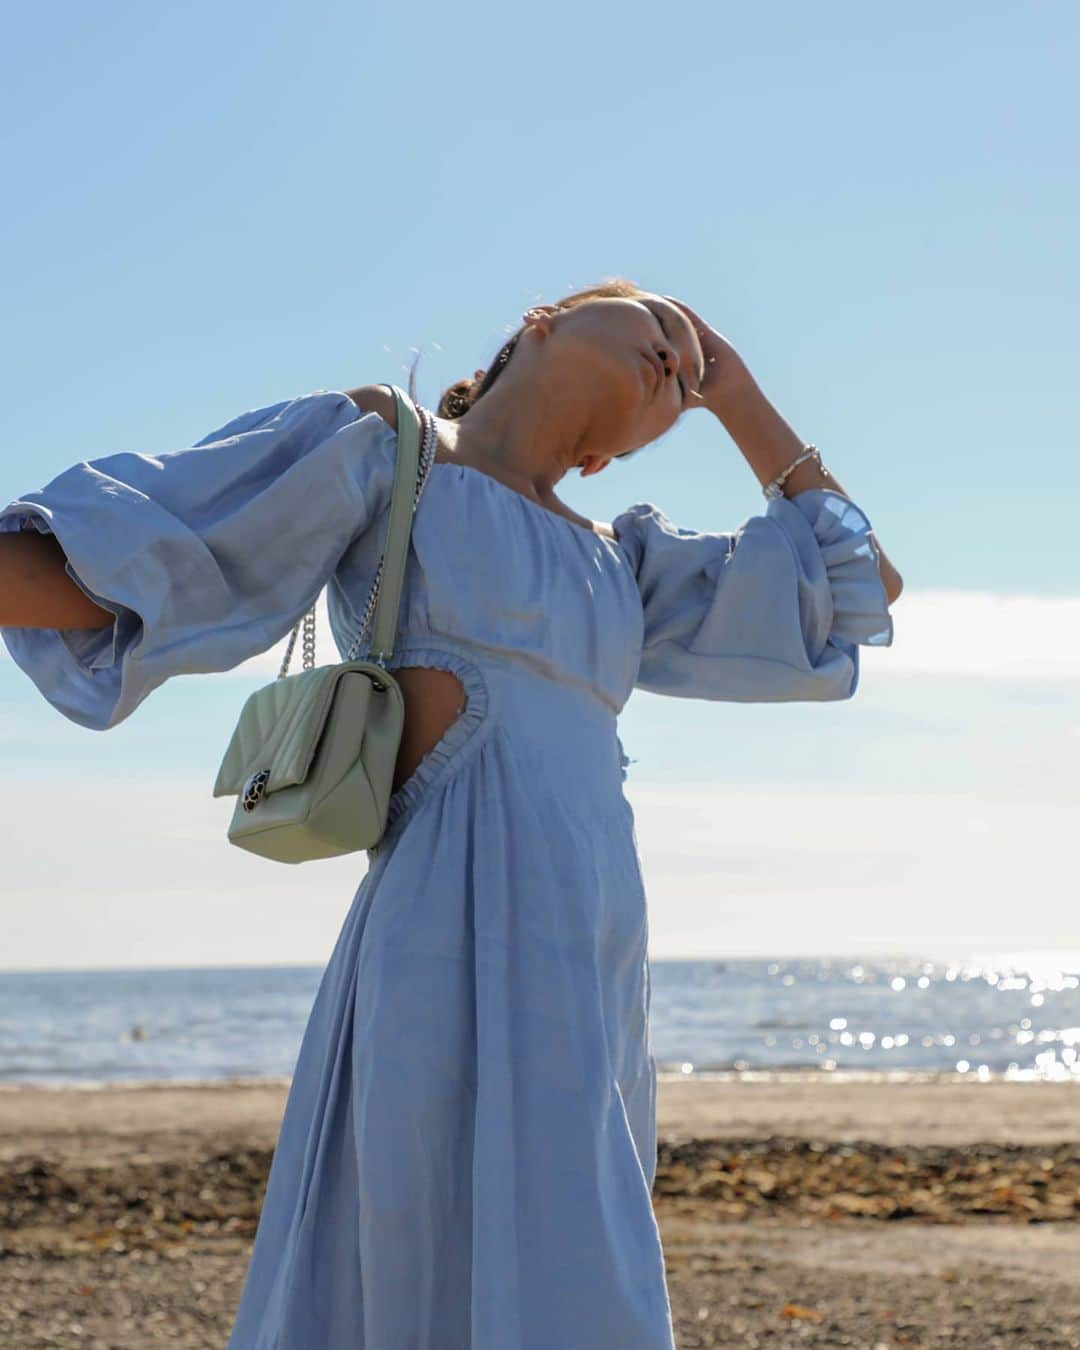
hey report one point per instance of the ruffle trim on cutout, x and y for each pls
(446, 752)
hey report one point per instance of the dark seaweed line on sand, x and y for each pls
(55, 1208)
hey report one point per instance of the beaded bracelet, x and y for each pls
(776, 487)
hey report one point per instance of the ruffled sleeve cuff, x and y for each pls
(830, 525)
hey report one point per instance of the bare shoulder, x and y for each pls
(376, 398)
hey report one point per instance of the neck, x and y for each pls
(520, 433)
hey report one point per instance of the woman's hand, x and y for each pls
(726, 374)
(768, 443)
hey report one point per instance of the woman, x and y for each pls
(468, 1147)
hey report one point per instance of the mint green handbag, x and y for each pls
(312, 758)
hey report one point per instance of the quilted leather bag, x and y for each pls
(312, 759)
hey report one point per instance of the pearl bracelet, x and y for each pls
(776, 487)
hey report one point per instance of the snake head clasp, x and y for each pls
(254, 789)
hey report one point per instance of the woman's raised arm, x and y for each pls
(767, 441)
(189, 561)
(36, 590)
(769, 445)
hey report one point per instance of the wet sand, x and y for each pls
(802, 1211)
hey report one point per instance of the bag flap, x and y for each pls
(279, 729)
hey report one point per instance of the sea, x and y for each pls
(895, 1017)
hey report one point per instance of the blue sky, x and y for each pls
(216, 208)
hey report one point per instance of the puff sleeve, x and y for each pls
(205, 555)
(774, 612)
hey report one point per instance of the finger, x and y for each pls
(698, 323)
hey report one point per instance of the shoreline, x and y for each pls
(808, 1074)
(75, 1122)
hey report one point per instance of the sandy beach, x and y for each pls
(800, 1211)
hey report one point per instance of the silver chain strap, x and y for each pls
(427, 458)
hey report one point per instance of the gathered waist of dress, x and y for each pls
(558, 729)
(551, 735)
(547, 719)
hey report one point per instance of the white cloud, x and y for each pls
(976, 634)
(767, 872)
(146, 877)
(981, 634)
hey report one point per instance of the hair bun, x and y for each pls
(459, 398)
(456, 401)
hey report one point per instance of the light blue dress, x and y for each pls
(469, 1143)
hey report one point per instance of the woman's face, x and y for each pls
(631, 367)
